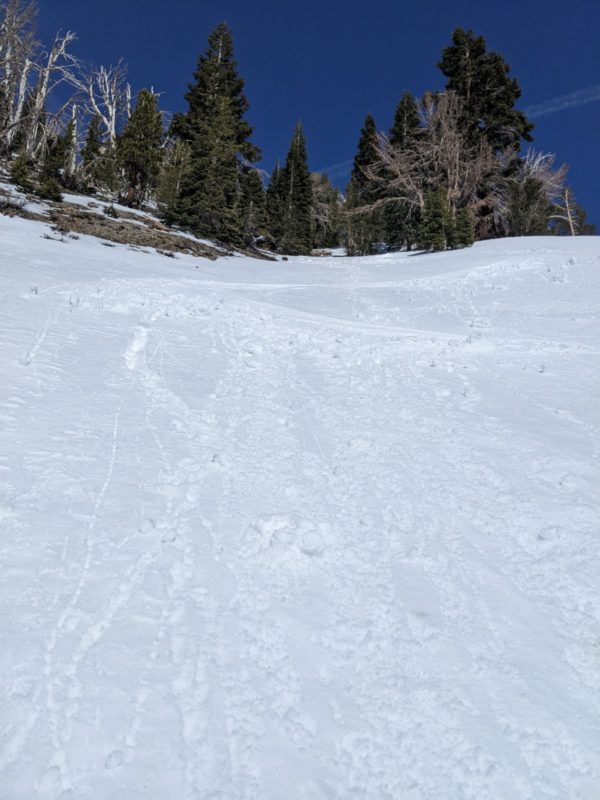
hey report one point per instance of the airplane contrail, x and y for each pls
(554, 105)
(581, 97)
(337, 170)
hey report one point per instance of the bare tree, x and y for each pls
(528, 192)
(566, 210)
(452, 161)
(18, 48)
(109, 97)
(441, 155)
(56, 66)
(540, 167)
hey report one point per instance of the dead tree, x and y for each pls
(109, 97)
(439, 155)
(565, 210)
(18, 49)
(540, 167)
(56, 66)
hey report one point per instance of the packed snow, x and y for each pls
(317, 530)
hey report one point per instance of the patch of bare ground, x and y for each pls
(120, 227)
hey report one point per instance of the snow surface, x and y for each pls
(319, 530)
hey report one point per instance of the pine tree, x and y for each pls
(219, 139)
(138, 149)
(363, 229)
(528, 208)
(437, 231)
(296, 189)
(481, 78)
(174, 168)
(209, 196)
(464, 234)
(216, 76)
(20, 173)
(20, 135)
(401, 221)
(4, 119)
(326, 212)
(275, 202)
(406, 121)
(51, 172)
(91, 152)
(98, 160)
(252, 205)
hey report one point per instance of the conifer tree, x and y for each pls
(296, 190)
(326, 212)
(219, 139)
(174, 168)
(275, 203)
(528, 208)
(138, 149)
(363, 228)
(91, 152)
(50, 177)
(406, 121)
(20, 173)
(4, 118)
(481, 78)
(437, 224)
(19, 138)
(252, 205)
(401, 221)
(464, 233)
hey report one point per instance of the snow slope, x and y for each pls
(315, 530)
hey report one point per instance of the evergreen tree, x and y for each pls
(363, 229)
(528, 208)
(326, 212)
(252, 205)
(437, 231)
(20, 135)
(70, 156)
(464, 234)
(91, 152)
(216, 76)
(208, 201)
(275, 202)
(406, 122)
(401, 221)
(481, 79)
(219, 139)
(20, 173)
(51, 172)
(174, 168)
(138, 149)
(4, 119)
(296, 189)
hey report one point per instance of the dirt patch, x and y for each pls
(121, 227)
(73, 219)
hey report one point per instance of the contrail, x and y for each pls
(337, 170)
(579, 98)
(562, 102)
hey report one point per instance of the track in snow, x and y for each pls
(320, 530)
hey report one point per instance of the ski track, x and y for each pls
(326, 536)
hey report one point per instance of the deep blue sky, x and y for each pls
(329, 62)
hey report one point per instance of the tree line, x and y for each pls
(449, 171)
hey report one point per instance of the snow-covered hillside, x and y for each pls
(310, 530)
